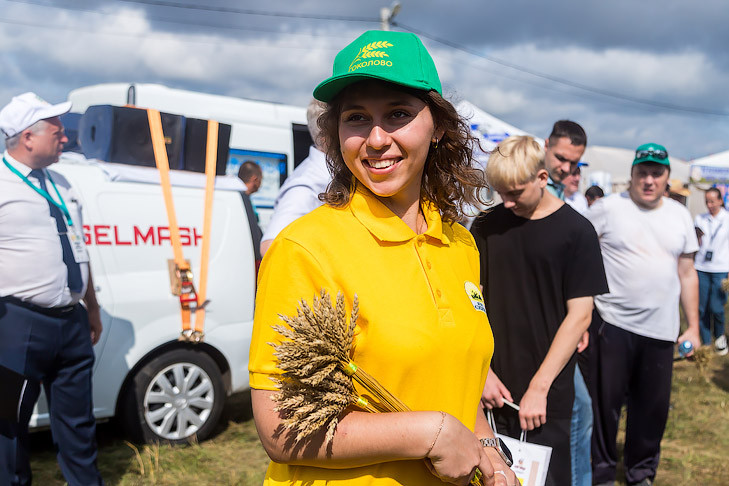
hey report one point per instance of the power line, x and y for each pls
(554, 79)
(151, 35)
(209, 8)
(195, 22)
(549, 77)
(554, 87)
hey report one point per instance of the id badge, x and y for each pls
(709, 255)
(78, 247)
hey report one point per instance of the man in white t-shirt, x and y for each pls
(299, 194)
(648, 243)
(712, 265)
(572, 194)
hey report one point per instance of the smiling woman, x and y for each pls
(385, 135)
(448, 177)
(401, 163)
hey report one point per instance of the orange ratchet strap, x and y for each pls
(211, 157)
(190, 300)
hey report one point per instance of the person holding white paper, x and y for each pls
(540, 268)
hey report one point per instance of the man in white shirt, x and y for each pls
(299, 194)
(648, 243)
(572, 194)
(45, 333)
(712, 265)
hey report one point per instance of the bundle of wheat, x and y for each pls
(317, 380)
(314, 388)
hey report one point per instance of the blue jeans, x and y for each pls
(711, 305)
(581, 433)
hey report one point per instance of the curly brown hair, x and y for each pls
(450, 180)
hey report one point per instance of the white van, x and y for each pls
(160, 388)
(273, 135)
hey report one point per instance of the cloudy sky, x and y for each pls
(628, 71)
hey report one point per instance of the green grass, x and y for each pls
(697, 434)
(695, 441)
(233, 456)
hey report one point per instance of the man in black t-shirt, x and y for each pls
(540, 268)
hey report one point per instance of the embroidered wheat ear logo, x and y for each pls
(370, 51)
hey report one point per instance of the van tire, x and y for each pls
(176, 398)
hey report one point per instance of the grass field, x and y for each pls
(693, 447)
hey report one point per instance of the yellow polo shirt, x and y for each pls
(422, 331)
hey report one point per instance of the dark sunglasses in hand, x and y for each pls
(659, 154)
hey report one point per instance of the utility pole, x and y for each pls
(387, 14)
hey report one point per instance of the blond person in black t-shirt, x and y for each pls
(540, 268)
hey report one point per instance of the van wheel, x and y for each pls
(176, 397)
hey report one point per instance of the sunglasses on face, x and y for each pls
(658, 154)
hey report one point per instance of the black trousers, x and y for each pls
(634, 370)
(555, 434)
(58, 352)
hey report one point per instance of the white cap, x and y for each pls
(26, 109)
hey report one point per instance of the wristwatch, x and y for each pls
(500, 447)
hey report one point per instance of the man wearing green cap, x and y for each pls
(647, 242)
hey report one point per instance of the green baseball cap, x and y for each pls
(651, 152)
(396, 57)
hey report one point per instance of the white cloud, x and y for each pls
(284, 59)
(659, 76)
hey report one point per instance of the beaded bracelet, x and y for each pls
(437, 434)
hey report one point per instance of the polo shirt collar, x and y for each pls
(556, 188)
(385, 225)
(19, 166)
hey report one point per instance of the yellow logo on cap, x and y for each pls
(474, 295)
(368, 52)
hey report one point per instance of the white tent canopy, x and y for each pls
(489, 129)
(711, 169)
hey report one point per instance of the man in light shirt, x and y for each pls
(572, 194)
(45, 333)
(648, 244)
(299, 194)
(712, 265)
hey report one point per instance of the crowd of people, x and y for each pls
(553, 312)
